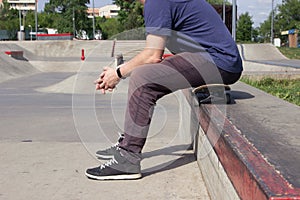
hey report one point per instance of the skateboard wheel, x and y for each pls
(228, 98)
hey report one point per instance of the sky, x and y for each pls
(259, 10)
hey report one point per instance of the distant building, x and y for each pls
(90, 12)
(23, 5)
(108, 11)
(292, 38)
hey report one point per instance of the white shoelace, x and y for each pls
(117, 143)
(109, 163)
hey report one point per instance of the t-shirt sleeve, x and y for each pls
(157, 15)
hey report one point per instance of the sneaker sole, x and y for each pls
(115, 177)
(106, 157)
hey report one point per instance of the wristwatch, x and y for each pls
(119, 73)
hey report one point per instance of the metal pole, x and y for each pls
(36, 20)
(74, 29)
(272, 24)
(234, 19)
(24, 16)
(93, 19)
(20, 19)
(30, 32)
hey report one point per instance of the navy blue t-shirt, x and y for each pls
(193, 26)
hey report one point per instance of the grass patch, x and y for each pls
(291, 53)
(285, 89)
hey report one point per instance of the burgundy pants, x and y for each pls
(150, 82)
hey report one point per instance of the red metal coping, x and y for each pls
(57, 35)
(252, 176)
(13, 52)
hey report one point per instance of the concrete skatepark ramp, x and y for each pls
(11, 67)
(266, 59)
(64, 56)
(266, 54)
(259, 52)
(49, 56)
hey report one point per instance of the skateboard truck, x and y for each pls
(213, 93)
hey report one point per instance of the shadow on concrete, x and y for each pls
(181, 158)
(240, 95)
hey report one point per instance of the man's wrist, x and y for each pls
(119, 73)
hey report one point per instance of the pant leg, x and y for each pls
(150, 82)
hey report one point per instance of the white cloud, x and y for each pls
(251, 7)
(258, 9)
(264, 14)
(264, 1)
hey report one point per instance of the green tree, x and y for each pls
(9, 20)
(130, 14)
(255, 35)
(244, 27)
(109, 27)
(65, 10)
(4, 11)
(45, 20)
(288, 16)
(265, 29)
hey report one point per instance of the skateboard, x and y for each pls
(213, 93)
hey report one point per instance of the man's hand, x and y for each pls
(107, 80)
(152, 53)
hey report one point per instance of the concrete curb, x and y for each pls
(254, 174)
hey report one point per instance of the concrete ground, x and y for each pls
(43, 156)
(52, 122)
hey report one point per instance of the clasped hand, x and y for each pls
(107, 80)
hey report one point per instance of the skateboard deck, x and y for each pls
(213, 93)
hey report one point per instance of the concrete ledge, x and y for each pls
(15, 54)
(255, 141)
(217, 182)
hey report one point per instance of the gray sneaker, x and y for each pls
(118, 168)
(109, 152)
